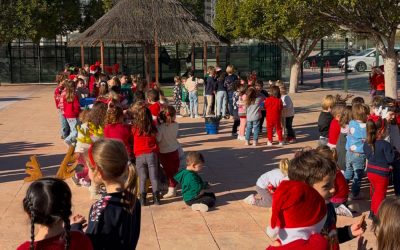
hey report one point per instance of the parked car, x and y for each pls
(331, 55)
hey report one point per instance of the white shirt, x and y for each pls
(288, 109)
(273, 177)
(167, 137)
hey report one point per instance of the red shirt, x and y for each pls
(378, 82)
(143, 144)
(71, 109)
(341, 189)
(120, 132)
(274, 107)
(155, 109)
(333, 132)
(57, 96)
(79, 241)
(316, 242)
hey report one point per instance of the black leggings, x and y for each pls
(207, 199)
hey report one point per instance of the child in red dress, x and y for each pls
(274, 106)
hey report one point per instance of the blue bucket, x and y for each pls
(212, 127)
(86, 101)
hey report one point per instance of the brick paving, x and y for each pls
(29, 125)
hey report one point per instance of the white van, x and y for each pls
(361, 61)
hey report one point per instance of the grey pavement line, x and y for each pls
(155, 228)
(209, 230)
(12, 201)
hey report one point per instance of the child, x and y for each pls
(274, 107)
(145, 150)
(209, 90)
(242, 112)
(48, 203)
(319, 172)
(262, 93)
(116, 129)
(168, 144)
(380, 155)
(325, 118)
(154, 106)
(193, 186)
(58, 93)
(355, 157)
(126, 91)
(81, 90)
(334, 127)
(293, 223)
(185, 98)
(357, 99)
(386, 225)
(253, 115)
(287, 114)
(235, 101)
(114, 220)
(267, 184)
(71, 111)
(344, 120)
(178, 95)
(191, 85)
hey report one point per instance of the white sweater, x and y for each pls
(271, 178)
(167, 137)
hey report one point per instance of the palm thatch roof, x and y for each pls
(147, 21)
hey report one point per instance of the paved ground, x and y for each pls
(29, 125)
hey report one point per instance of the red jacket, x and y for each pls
(71, 109)
(333, 132)
(274, 107)
(57, 96)
(316, 242)
(143, 144)
(378, 82)
(120, 132)
(341, 189)
(78, 241)
(155, 109)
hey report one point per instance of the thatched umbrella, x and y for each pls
(148, 22)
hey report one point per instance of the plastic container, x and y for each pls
(87, 102)
(212, 125)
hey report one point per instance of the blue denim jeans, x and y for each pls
(71, 138)
(249, 128)
(230, 102)
(64, 131)
(222, 98)
(355, 165)
(193, 103)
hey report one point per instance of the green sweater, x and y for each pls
(191, 183)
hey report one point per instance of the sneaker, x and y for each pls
(200, 207)
(179, 116)
(247, 143)
(343, 211)
(269, 143)
(192, 116)
(196, 116)
(254, 144)
(281, 143)
(234, 134)
(292, 140)
(250, 200)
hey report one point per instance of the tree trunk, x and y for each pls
(391, 75)
(294, 76)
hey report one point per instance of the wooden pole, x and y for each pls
(102, 56)
(217, 56)
(205, 58)
(82, 56)
(192, 59)
(156, 57)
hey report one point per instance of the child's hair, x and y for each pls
(357, 99)
(193, 158)
(282, 89)
(311, 167)
(386, 226)
(242, 90)
(142, 119)
(328, 102)
(111, 158)
(167, 115)
(114, 113)
(375, 129)
(210, 70)
(274, 90)
(177, 78)
(84, 115)
(103, 89)
(377, 101)
(279, 83)
(327, 152)
(48, 200)
(70, 91)
(360, 112)
(259, 83)
(251, 96)
(60, 77)
(230, 69)
(337, 109)
(142, 86)
(346, 116)
(153, 95)
(284, 166)
(97, 114)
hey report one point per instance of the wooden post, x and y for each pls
(205, 58)
(156, 57)
(102, 56)
(217, 55)
(192, 59)
(82, 56)
(147, 62)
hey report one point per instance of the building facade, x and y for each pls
(209, 11)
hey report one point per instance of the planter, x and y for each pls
(212, 125)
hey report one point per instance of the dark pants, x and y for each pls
(289, 128)
(263, 114)
(396, 180)
(207, 199)
(236, 121)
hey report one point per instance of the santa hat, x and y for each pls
(92, 69)
(298, 211)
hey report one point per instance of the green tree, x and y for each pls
(9, 23)
(92, 12)
(195, 6)
(377, 19)
(225, 22)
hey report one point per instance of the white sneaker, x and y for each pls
(344, 211)
(171, 193)
(269, 143)
(281, 143)
(250, 200)
(196, 116)
(200, 207)
(179, 116)
(247, 143)
(254, 144)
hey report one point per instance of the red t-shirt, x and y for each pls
(333, 132)
(71, 109)
(57, 96)
(155, 109)
(79, 241)
(120, 132)
(143, 144)
(274, 107)
(341, 189)
(316, 242)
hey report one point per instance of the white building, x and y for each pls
(209, 11)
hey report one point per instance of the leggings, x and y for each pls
(266, 198)
(206, 198)
(170, 162)
(242, 127)
(147, 163)
(270, 126)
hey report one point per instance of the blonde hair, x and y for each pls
(193, 158)
(360, 112)
(386, 227)
(177, 78)
(328, 102)
(168, 115)
(282, 88)
(230, 69)
(284, 166)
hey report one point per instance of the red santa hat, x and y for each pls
(298, 211)
(93, 69)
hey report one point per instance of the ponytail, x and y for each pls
(67, 228)
(371, 134)
(32, 245)
(131, 188)
(284, 166)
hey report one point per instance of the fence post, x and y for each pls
(322, 64)
(345, 64)
(11, 62)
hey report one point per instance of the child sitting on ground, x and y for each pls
(193, 187)
(295, 225)
(267, 184)
(325, 118)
